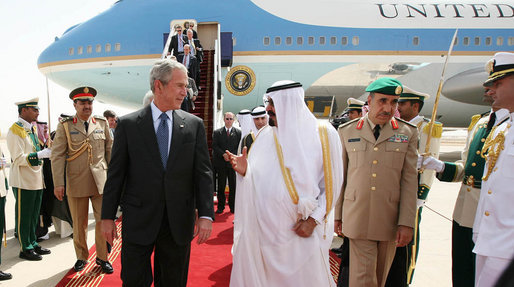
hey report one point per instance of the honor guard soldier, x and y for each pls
(378, 204)
(26, 177)
(469, 170)
(4, 187)
(82, 150)
(410, 104)
(354, 108)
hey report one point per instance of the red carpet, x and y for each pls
(210, 263)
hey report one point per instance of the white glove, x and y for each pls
(420, 160)
(46, 153)
(433, 163)
(420, 203)
(3, 162)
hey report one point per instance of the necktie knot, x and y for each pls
(163, 117)
(376, 131)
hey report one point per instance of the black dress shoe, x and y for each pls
(79, 265)
(30, 254)
(219, 211)
(5, 276)
(105, 265)
(42, 251)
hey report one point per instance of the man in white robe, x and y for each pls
(285, 225)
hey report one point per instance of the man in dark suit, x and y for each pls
(196, 47)
(177, 42)
(160, 171)
(191, 63)
(223, 139)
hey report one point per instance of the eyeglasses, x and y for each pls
(229, 119)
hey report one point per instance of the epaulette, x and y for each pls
(348, 123)
(18, 129)
(474, 120)
(437, 130)
(100, 118)
(406, 122)
(66, 119)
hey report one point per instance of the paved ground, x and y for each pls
(433, 268)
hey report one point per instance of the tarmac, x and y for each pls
(433, 266)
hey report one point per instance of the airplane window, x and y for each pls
(299, 40)
(289, 40)
(477, 41)
(355, 40)
(107, 47)
(344, 41)
(117, 47)
(89, 49)
(511, 41)
(415, 41)
(80, 50)
(333, 40)
(456, 41)
(465, 41)
(266, 41)
(310, 40)
(499, 41)
(71, 51)
(98, 48)
(488, 41)
(278, 41)
(322, 40)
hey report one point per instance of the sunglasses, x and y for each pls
(229, 119)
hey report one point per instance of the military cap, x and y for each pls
(354, 104)
(409, 94)
(28, 103)
(83, 93)
(258, 112)
(386, 86)
(501, 65)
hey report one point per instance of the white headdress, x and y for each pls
(245, 120)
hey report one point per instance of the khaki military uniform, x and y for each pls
(26, 178)
(379, 194)
(83, 157)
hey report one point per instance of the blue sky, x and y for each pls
(28, 27)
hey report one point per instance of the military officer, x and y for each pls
(26, 177)
(82, 150)
(469, 171)
(4, 187)
(493, 229)
(378, 204)
(410, 104)
(260, 120)
(354, 108)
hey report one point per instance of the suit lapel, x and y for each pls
(179, 126)
(147, 132)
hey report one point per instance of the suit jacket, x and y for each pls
(381, 179)
(221, 143)
(193, 70)
(84, 178)
(137, 178)
(174, 44)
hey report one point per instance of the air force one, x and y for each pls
(335, 48)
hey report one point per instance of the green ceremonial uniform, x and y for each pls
(26, 178)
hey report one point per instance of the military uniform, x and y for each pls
(4, 187)
(469, 171)
(83, 157)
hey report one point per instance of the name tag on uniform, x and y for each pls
(354, 140)
(98, 131)
(74, 133)
(398, 138)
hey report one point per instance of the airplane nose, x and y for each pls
(466, 87)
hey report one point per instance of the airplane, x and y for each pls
(334, 48)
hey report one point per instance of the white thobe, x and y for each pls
(493, 230)
(267, 252)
